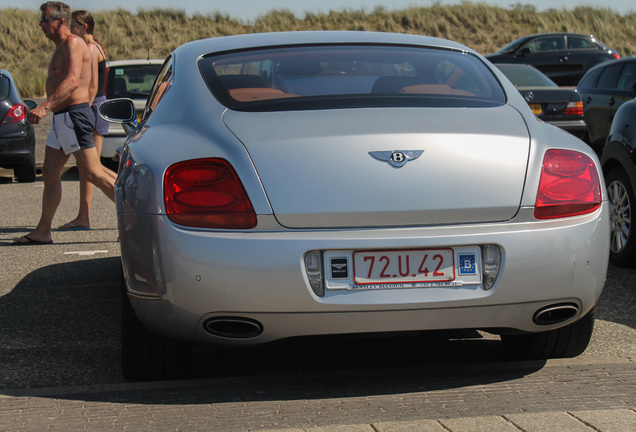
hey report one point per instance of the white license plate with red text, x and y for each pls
(404, 266)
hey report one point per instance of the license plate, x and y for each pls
(403, 266)
(536, 109)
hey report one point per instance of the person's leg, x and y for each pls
(91, 168)
(83, 218)
(54, 161)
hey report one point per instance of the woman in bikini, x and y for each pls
(83, 25)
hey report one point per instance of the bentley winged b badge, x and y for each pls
(396, 158)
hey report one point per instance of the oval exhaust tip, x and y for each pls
(555, 314)
(233, 327)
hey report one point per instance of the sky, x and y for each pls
(248, 10)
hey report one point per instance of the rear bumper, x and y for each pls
(116, 138)
(15, 151)
(575, 127)
(180, 278)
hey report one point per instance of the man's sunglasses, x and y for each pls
(46, 19)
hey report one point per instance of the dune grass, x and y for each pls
(154, 33)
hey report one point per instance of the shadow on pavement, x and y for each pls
(60, 329)
(60, 325)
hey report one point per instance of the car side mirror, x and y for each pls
(118, 111)
(524, 51)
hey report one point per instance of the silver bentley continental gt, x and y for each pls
(321, 183)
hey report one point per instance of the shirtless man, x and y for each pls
(67, 89)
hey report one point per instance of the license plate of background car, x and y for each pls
(536, 109)
(403, 266)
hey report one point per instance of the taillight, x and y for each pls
(569, 185)
(17, 113)
(207, 193)
(616, 56)
(574, 109)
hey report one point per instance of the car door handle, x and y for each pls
(588, 100)
(612, 101)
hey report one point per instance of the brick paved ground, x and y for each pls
(529, 397)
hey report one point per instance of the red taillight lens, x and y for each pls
(207, 193)
(616, 56)
(574, 109)
(569, 185)
(17, 113)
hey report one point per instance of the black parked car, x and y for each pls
(564, 57)
(619, 167)
(17, 138)
(604, 88)
(559, 106)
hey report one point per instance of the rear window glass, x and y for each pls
(134, 81)
(4, 87)
(609, 76)
(343, 76)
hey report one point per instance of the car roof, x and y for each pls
(261, 40)
(561, 34)
(616, 61)
(132, 62)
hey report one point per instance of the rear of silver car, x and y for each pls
(251, 216)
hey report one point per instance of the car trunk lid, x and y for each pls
(318, 171)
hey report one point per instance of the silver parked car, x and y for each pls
(316, 183)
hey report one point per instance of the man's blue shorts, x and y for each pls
(72, 129)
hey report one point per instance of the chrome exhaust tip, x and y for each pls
(555, 314)
(233, 327)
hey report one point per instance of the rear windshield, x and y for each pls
(132, 81)
(4, 87)
(344, 76)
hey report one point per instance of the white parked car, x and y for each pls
(316, 183)
(131, 79)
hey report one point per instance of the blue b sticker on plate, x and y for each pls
(467, 264)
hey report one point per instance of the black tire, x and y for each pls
(564, 342)
(25, 173)
(110, 164)
(146, 356)
(621, 200)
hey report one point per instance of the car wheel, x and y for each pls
(110, 164)
(146, 356)
(25, 173)
(568, 341)
(621, 198)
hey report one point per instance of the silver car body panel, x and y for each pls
(177, 277)
(337, 183)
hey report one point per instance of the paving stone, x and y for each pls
(548, 422)
(608, 420)
(479, 424)
(419, 426)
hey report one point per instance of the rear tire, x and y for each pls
(621, 199)
(564, 342)
(25, 173)
(146, 356)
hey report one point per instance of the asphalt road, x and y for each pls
(59, 351)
